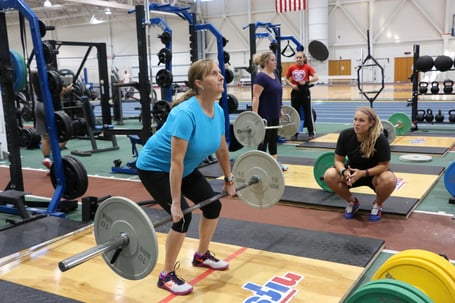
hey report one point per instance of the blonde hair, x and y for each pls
(367, 145)
(262, 59)
(198, 71)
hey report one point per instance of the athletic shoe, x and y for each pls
(209, 260)
(47, 162)
(283, 167)
(311, 135)
(351, 209)
(174, 284)
(376, 212)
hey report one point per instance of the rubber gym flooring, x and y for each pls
(303, 237)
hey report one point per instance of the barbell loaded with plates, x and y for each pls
(126, 237)
(398, 124)
(249, 127)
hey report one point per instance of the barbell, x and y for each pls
(398, 124)
(249, 127)
(126, 237)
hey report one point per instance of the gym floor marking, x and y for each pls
(250, 269)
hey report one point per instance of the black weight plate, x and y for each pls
(75, 176)
(64, 126)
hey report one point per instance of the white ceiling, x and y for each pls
(68, 12)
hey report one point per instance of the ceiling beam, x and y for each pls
(103, 3)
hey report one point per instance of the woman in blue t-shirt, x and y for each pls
(167, 166)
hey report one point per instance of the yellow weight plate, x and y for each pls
(423, 274)
(429, 256)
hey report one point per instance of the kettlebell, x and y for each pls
(423, 87)
(420, 116)
(429, 116)
(434, 87)
(452, 115)
(448, 86)
(439, 116)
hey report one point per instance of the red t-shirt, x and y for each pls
(300, 73)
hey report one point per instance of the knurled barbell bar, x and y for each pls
(121, 225)
(398, 124)
(249, 127)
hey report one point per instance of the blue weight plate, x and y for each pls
(449, 178)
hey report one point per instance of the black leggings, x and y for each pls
(270, 138)
(301, 101)
(194, 186)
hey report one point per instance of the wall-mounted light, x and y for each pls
(107, 11)
(47, 3)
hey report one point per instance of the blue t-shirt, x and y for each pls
(188, 122)
(270, 99)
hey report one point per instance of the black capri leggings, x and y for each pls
(195, 187)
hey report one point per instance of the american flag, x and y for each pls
(289, 5)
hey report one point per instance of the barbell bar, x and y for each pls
(398, 124)
(120, 225)
(249, 127)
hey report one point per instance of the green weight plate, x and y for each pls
(408, 287)
(449, 178)
(389, 130)
(118, 215)
(391, 292)
(249, 129)
(402, 123)
(421, 273)
(20, 70)
(416, 158)
(321, 164)
(290, 123)
(269, 190)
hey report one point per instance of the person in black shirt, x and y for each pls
(368, 163)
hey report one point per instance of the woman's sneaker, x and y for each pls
(376, 212)
(47, 163)
(209, 260)
(283, 167)
(174, 284)
(351, 209)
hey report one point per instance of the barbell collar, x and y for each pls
(120, 241)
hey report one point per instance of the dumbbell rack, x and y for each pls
(416, 93)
